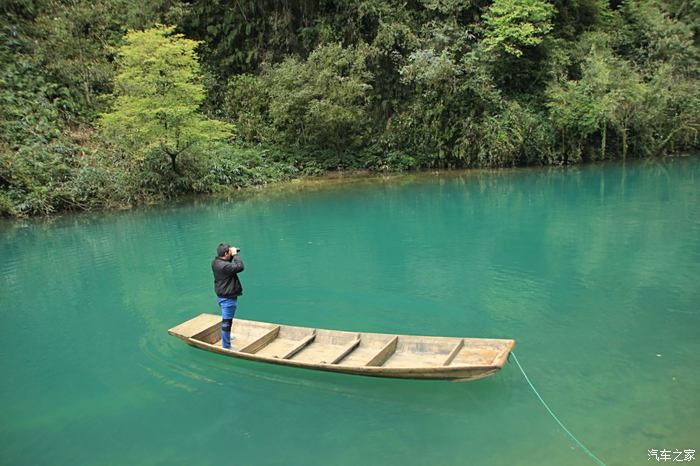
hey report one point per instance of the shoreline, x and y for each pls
(328, 180)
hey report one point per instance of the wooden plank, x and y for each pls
(261, 342)
(385, 353)
(209, 335)
(347, 350)
(302, 344)
(194, 326)
(454, 352)
(502, 357)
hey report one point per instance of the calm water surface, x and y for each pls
(593, 270)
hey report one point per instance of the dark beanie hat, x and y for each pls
(222, 249)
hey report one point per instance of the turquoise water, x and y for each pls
(593, 270)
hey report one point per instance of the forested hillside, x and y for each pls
(109, 103)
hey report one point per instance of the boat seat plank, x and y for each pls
(454, 352)
(346, 350)
(384, 353)
(316, 353)
(261, 342)
(302, 344)
(502, 357)
(359, 356)
(279, 348)
(209, 335)
(323, 350)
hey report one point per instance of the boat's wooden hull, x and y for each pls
(369, 354)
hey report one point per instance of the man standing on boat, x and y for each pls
(226, 266)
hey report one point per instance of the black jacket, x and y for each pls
(226, 282)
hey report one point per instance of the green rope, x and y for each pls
(583, 447)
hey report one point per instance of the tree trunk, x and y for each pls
(173, 162)
(602, 143)
(86, 87)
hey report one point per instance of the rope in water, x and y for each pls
(583, 447)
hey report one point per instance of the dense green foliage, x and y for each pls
(514, 25)
(102, 106)
(156, 109)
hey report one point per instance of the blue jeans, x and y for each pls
(228, 310)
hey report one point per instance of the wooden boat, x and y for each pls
(371, 354)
